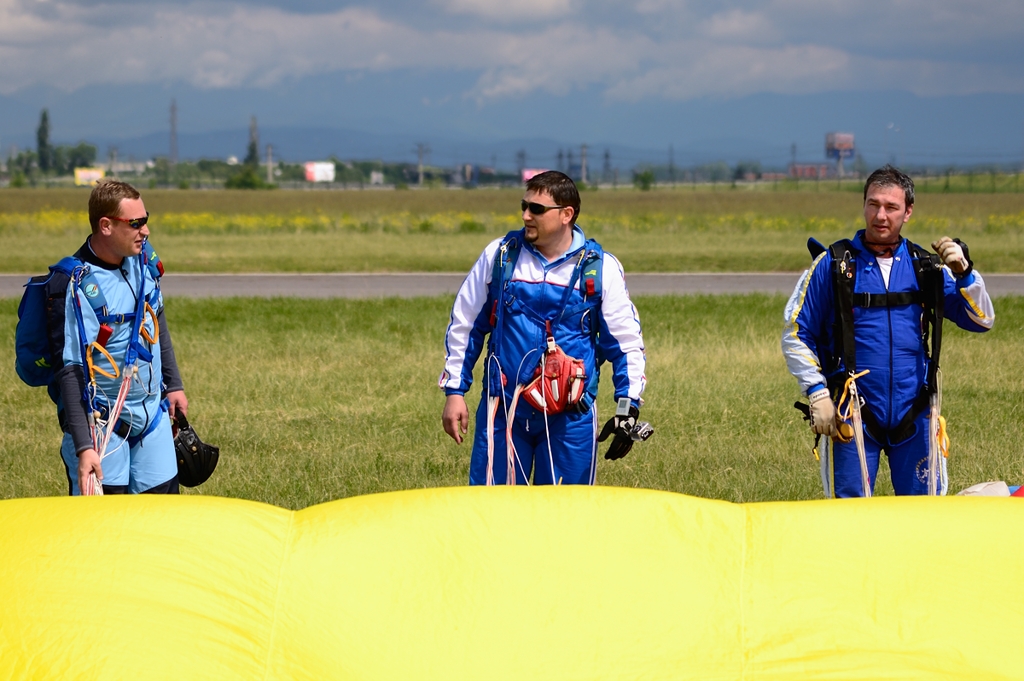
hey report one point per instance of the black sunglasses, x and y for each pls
(537, 208)
(137, 223)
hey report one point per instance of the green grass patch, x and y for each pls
(317, 400)
(444, 231)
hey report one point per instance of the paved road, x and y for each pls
(347, 285)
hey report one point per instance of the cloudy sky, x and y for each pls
(924, 75)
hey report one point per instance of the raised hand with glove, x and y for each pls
(954, 255)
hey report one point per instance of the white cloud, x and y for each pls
(245, 46)
(525, 11)
(660, 7)
(655, 49)
(739, 26)
(704, 69)
(526, 64)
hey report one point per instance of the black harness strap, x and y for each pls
(844, 269)
(930, 280)
(887, 299)
(930, 294)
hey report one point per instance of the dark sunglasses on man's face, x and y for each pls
(137, 223)
(536, 208)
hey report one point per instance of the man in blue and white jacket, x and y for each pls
(509, 322)
(889, 337)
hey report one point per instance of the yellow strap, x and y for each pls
(943, 438)
(93, 369)
(156, 326)
(846, 395)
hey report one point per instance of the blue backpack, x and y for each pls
(33, 361)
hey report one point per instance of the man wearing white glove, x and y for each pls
(823, 413)
(954, 255)
(861, 308)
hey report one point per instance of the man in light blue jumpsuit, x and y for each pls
(140, 455)
(546, 286)
(888, 333)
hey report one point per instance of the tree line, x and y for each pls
(48, 160)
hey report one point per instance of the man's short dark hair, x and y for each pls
(105, 200)
(561, 188)
(888, 176)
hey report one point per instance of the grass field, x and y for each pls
(444, 230)
(311, 401)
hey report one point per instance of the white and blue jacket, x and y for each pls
(535, 292)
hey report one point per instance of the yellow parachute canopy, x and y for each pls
(511, 583)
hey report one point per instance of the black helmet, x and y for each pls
(196, 459)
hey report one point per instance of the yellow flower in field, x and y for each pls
(45, 221)
(999, 224)
(464, 222)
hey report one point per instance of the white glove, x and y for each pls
(823, 413)
(951, 253)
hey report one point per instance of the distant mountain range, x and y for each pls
(308, 144)
(385, 119)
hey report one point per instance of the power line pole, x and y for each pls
(561, 161)
(671, 166)
(606, 170)
(270, 164)
(520, 162)
(421, 151)
(174, 133)
(583, 163)
(252, 154)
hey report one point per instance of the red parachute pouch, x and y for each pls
(558, 382)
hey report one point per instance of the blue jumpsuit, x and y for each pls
(144, 459)
(889, 344)
(560, 448)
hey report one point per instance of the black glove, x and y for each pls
(967, 257)
(621, 427)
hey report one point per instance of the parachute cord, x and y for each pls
(146, 389)
(115, 412)
(512, 456)
(547, 430)
(492, 411)
(102, 430)
(942, 435)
